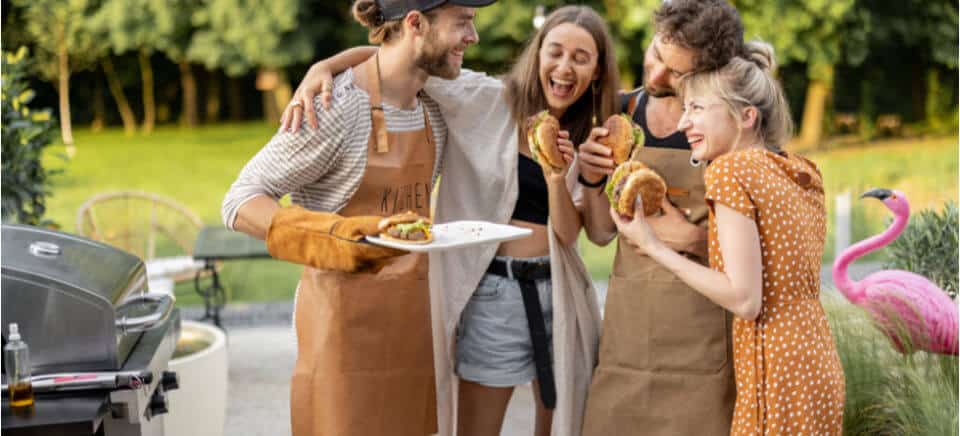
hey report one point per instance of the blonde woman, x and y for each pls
(767, 228)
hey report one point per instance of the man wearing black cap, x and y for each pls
(364, 342)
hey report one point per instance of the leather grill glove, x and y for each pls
(326, 240)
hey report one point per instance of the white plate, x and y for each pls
(459, 234)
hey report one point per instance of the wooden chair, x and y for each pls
(159, 230)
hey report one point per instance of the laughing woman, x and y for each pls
(489, 302)
(766, 234)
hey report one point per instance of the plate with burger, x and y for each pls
(412, 232)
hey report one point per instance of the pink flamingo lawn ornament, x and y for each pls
(904, 304)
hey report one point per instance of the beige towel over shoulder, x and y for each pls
(479, 182)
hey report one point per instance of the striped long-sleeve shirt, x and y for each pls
(322, 168)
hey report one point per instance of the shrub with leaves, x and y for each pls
(25, 133)
(888, 393)
(928, 246)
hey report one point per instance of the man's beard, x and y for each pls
(434, 59)
(657, 92)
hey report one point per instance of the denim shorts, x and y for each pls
(493, 339)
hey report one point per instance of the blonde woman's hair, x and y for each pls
(748, 80)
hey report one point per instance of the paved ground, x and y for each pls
(262, 353)
(261, 360)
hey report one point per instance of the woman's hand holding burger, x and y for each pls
(635, 231)
(550, 146)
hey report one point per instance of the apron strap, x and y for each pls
(376, 105)
(632, 104)
(428, 130)
(376, 108)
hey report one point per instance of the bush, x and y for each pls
(889, 393)
(928, 246)
(25, 133)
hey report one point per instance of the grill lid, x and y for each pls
(67, 261)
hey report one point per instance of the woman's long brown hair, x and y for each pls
(525, 94)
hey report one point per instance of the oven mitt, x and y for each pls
(326, 240)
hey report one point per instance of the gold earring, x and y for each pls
(593, 101)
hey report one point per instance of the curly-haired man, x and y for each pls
(665, 364)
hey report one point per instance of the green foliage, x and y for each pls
(941, 117)
(927, 31)
(805, 31)
(127, 25)
(56, 25)
(238, 35)
(26, 132)
(888, 393)
(134, 25)
(928, 246)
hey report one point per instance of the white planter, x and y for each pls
(199, 406)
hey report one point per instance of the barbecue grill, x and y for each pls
(99, 341)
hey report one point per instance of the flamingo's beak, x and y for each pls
(880, 194)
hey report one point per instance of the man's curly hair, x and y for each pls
(712, 28)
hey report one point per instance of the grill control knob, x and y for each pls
(169, 380)
(158, 403)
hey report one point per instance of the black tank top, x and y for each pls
(533, 204)
(676, 140)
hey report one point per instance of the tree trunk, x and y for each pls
(284, 93)
(933, 107)
(270, 112)
(63, 87)
(919, 79)
(116, 90)
(189, 85)
(811, 127)
(235, 99)
(149, 104)
(212, 107)
(99, 107)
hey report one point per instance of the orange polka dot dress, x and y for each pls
(788, 374)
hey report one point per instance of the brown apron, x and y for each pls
(364, 344)
(666, 359)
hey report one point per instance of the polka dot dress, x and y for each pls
(788, 374)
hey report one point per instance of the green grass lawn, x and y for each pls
(195, 167)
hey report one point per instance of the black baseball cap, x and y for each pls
(397, 9)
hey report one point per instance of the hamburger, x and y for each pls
(407, 227)
(631, 179)
(542, 140)
(624, 138)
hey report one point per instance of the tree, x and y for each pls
(812, 32)
(238, 36)
(131, 25)
(116, 90)
(58, 31)
(925, 43)
(174, 33)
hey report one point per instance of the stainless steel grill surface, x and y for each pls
(83, 306)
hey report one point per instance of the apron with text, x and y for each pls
(365, 350)
(665, 365)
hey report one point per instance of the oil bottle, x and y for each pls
(16, 356)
